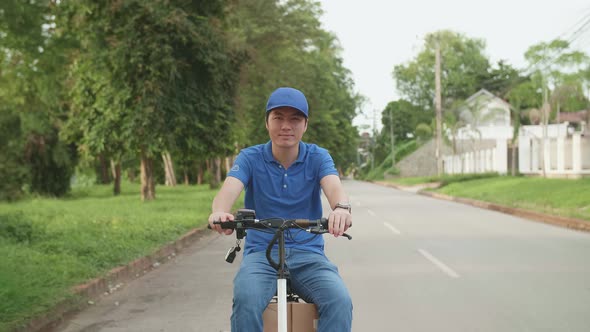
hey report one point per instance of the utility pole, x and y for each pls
(545, 111)
(392, 138)
(374, 139)
(438, 106)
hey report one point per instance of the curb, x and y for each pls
(414, 189)
(96, 288)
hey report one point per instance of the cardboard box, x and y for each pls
(301, 317)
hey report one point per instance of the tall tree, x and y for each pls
(33, 56)
(501, 78)
(161, 72)
(464, 67)
(286, 46)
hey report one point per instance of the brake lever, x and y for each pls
(324, 231)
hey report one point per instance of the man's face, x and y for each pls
(286, 126)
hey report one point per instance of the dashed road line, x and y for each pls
(393, 229)
(439, 264)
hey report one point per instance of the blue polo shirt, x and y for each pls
(273, 191)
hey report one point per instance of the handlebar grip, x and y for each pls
(222, 225)
(225, 224)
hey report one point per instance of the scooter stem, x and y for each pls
(282, 304)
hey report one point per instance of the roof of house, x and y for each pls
(573, 117)
(484, 92)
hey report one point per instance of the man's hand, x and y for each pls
(339, 221)
(223, 217)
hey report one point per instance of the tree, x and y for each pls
(550, 63)
(159, 72)
(406, 118)
(501, 78)
(464, 68)
(33, 56)
(285, 46)
(521, 97)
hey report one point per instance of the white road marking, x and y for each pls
(438, 263)
(372, 213)
(393, 229)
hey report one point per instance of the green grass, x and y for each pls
(49, 245)
(569, 198)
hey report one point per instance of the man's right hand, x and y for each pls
(223, 217)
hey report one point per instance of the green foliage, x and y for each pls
(32, 58)
(555, 64)
(464, 68)
(386, 168)
(405, 117)
(423, 132)
(286, 46)
(12, 166)
(501, 78)
(152, 77)
(14, 227)
(49, 245)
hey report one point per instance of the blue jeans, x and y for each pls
(313, 277)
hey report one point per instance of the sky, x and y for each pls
(376, 35)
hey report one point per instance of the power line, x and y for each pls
(584, 25)
(575, 24)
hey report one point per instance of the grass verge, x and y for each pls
(560, 197)
(49, 245)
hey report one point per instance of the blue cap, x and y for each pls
(287, 97)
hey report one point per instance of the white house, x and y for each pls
(481, 145)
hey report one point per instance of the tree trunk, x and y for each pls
(545, 118)
(513, 161)
(186, 181)
(227, 165)
(169, 169)
(117, 184)
(148, 186)
(166, 171)
(104, 170)
(131, 174)
(113, 171)
(218, 170)
(200, 174)
(215, 171)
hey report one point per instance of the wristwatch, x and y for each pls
(344, 205)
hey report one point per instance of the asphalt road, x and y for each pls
(414, 264)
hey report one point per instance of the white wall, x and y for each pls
(562, 155)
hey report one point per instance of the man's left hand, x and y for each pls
(339, 221)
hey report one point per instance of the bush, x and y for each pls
(12, 167)
(423, 132)
(14, 227)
